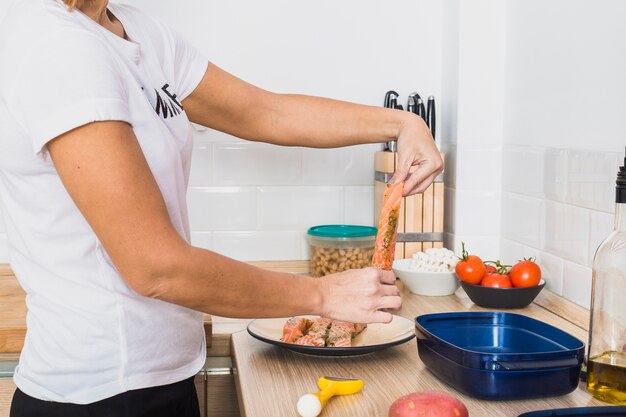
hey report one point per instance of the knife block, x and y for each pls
(421, 224)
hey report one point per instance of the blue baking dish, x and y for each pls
(608, 411)
(499, 355)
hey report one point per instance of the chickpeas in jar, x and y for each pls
(336, 248)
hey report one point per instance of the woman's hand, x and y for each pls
(416, 147)
(360, 295)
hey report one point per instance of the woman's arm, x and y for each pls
(105, 172)
(226, 103)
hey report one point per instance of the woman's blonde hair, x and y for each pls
(71, 4)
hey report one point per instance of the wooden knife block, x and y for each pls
(421, 215)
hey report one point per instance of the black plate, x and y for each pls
(376, 337)
(502, 297)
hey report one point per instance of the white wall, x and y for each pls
(564, 134)
(473, 95)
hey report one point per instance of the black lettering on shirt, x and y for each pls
(167, 106)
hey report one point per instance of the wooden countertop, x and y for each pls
(271, 379)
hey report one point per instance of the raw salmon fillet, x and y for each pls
(316, 334)
(388, 227)
(341, 333)
(320, 332)
(295, 328)
(311, 340)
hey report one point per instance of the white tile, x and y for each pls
(256, 164)
(201, 163)
(567, 232)
(298, 208)
(353, 165)
(259, 245)
(486, 248)
(4, 249)
(359, 205)
(600, 225)
(555, 175)
(202, 240)
(221, 208)
(577, 283)
(522, 219)
(591, 179)
(551, 271)
(478, 167)
(510, 251)
(523, 170)
(477, 212)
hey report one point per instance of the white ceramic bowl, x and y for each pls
(425, 283)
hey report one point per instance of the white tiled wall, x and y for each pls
(254, 201)
(561, 151)
(558, 206)
(524, 135)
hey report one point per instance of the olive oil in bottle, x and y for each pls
(606, 378)
(606, 359)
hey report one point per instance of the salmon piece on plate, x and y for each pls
(342, 333)
(320, 332)
(294, 329)
(317, 333)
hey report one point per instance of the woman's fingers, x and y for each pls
(387, 277)
(391, 290)
(391, 302)
(381, 317)
(415, 183)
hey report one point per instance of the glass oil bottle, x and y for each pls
(606, 359)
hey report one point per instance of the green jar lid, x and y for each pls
(342, 231)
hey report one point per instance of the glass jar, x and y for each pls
(339, 247)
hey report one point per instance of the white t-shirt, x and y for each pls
(89, 335)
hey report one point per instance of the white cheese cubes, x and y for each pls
(434, 260)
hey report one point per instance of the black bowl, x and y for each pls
(494, 297)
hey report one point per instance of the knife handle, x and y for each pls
(430, 115)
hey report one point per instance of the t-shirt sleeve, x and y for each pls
(189, 63)
(64, 82)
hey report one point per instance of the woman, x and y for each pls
(95, 140)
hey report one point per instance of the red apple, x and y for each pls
(428, 404)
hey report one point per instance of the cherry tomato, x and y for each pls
(490, 269)
(525, 273)
(470, 268)
(496, 280)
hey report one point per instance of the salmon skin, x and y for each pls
(385, 246)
